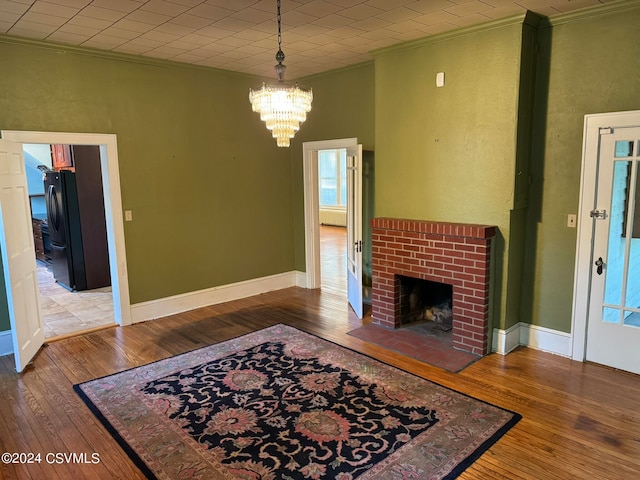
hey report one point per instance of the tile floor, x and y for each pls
(419, 342)
(64, 312)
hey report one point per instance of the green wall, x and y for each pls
(589, 64)
(210, 192)
(450, 154)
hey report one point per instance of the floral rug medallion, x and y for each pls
(281, 404)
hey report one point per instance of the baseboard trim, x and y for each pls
(301, 279)
(504, 341)
(6, 343)
(533, 336)
(546, 339)
(163, 307)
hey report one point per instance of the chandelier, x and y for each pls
(282, 107)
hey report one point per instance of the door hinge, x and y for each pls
(606, 131)
(598, 214)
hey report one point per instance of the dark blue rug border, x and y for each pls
(113, 432)
(486, 445)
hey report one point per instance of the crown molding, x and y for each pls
(528, 17)
(109, 55)
(615, 6)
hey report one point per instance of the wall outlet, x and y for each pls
(128, 216)
(571, 220)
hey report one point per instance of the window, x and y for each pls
(624, 148)
(332, 173)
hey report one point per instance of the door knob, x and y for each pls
(599, 264)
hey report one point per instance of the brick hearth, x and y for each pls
(452, 253)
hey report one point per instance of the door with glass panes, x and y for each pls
(613, 327)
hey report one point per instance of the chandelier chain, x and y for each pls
(279, 31)
(279, 53)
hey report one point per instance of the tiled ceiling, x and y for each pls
(240, 35)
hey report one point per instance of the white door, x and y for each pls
(18, 256)
(354, 228)
(613, 328)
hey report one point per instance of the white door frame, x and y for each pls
(112, 205)
(312, 204)
(584, 244)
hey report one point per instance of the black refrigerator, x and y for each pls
(79, 249)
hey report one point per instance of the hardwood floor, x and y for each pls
(580, 421)
(333, 259)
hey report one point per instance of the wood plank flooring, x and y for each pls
(333, 259)
(580, 421)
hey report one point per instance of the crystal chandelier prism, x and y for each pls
(282, 107)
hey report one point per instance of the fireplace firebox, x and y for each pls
(457, 256)
(423, 301)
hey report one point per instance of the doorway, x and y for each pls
(312, 206)
(359, 211)
(607, 287)
(332, 196)
(113, 212)
(88, 305)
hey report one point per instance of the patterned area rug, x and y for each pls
(281, 404)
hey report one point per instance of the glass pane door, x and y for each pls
(622, 286)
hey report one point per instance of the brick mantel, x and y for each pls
(452, 253)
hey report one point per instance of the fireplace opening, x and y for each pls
(425, 302)
(453, 253)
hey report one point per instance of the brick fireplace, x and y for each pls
(455, 254)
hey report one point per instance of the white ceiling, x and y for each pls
(240, 35)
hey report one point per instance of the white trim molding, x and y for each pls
(533, 336)
(6, 343)
(301, 279)
(164, 307)
(312, 204)
(504, 341)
